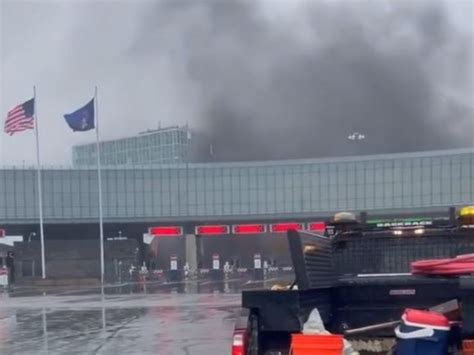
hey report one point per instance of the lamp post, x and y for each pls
(32, 234)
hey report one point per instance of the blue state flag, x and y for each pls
(83, 119)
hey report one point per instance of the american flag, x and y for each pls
(20, 118)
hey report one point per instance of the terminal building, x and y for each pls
(188, 195)
(168, 145)
(240, 191)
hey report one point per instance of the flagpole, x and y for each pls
(99, 177)
(40, 192)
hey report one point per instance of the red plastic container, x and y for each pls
(431, 319)
(422, 333)
(304, 344)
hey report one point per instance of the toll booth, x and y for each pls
(165, 255)
(174, 273)
(217, 271)
(246, 247)
(4, 266)
(7, 265)
(258, 269)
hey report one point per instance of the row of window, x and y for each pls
(163, 155)
(21, 194)
(292, 187)
(158, 139)
(182, 171)
(219, 209)
(136, 205)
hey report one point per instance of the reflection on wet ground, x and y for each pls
(231, 285)
(192, 317)
(156, 320)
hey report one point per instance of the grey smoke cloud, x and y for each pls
(260, 80)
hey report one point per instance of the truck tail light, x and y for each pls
(239, 342)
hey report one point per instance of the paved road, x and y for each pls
(160, 323)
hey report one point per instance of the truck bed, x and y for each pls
(356, 282)
(354, 302)
(287, 310)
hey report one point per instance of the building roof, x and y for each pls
(137, 136)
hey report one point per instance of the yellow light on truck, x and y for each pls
(467, 211)
(466, 216)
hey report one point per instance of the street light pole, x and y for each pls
(186, 161)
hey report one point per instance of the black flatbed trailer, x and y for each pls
(356, 278)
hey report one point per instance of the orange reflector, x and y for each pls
(468, 346)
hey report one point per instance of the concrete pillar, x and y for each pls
(191, 251)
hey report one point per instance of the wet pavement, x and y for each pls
(119, 321)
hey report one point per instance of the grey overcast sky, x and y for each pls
(262, 79)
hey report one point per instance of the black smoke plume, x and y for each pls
(273, 89)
